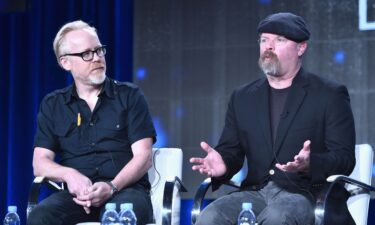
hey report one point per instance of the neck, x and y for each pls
(280, 83)
(88, 92)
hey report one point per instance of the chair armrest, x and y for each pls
(168, 198)
(321, 201)
(35, 191)
(361, 187)
(201, 193)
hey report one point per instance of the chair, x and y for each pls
(167, 170)
(358, 184)
(165, 178)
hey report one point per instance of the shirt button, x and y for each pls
(272, 172)
(93, 144)
(91, 124)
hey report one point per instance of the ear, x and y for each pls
(301, 47)
(65, 63)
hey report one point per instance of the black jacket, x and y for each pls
(316, 109)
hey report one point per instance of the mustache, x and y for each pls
(268, 54)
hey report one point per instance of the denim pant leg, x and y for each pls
(60, 209)
(285, 208)
(225, 210)
(272, 205)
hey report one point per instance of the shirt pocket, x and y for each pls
(68, 134)
(114, 128)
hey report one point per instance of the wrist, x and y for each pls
(113, 187)
(68, 174)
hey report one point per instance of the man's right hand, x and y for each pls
(78, 184)
(212, 165)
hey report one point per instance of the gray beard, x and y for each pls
(272, 66)
(98, 80)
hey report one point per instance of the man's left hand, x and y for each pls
(97, 194)
(301, 161)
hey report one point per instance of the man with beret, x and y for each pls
(294, 128)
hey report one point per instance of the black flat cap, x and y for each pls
(285, 24)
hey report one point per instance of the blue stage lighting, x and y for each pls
(339, 57)
(141, 73)
(265, 2)
(162, 139)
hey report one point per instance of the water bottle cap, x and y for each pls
(12, 208)
(247, 205)
(110, 206)
(126, 206)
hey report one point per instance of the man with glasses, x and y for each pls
(103, 132)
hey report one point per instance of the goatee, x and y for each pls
(269, 63)
(98, 80)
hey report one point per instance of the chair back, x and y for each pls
(359, 205)
(167, 164)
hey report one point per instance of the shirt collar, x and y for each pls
(72, 94)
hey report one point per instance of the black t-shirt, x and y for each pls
(277, 102)
(99, 145)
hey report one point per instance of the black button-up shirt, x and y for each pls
(98, 143)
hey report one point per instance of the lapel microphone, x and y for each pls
(284, 115)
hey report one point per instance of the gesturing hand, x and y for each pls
(301, 161)
(212, 165)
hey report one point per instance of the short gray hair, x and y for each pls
(59, 45)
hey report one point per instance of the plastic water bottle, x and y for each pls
(247, 216)
(110, 216)
(12, 218)
(127, 215)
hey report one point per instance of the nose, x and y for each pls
(97, 57)
(270, 45)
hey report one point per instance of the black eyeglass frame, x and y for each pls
(91, 52)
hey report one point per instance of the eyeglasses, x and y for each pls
(278, 41)
(89, 54)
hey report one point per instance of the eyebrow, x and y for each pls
(91, 49)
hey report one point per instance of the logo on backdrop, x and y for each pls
(364, 24)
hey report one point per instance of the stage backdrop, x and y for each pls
(188, 57)
(28, 71)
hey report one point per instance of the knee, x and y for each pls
(34, 217)
(208, 216)
(275, 216)
(39, 215)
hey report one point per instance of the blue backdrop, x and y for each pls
(28, 71)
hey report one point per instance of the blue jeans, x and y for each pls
(272, 205)
(60, 209)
